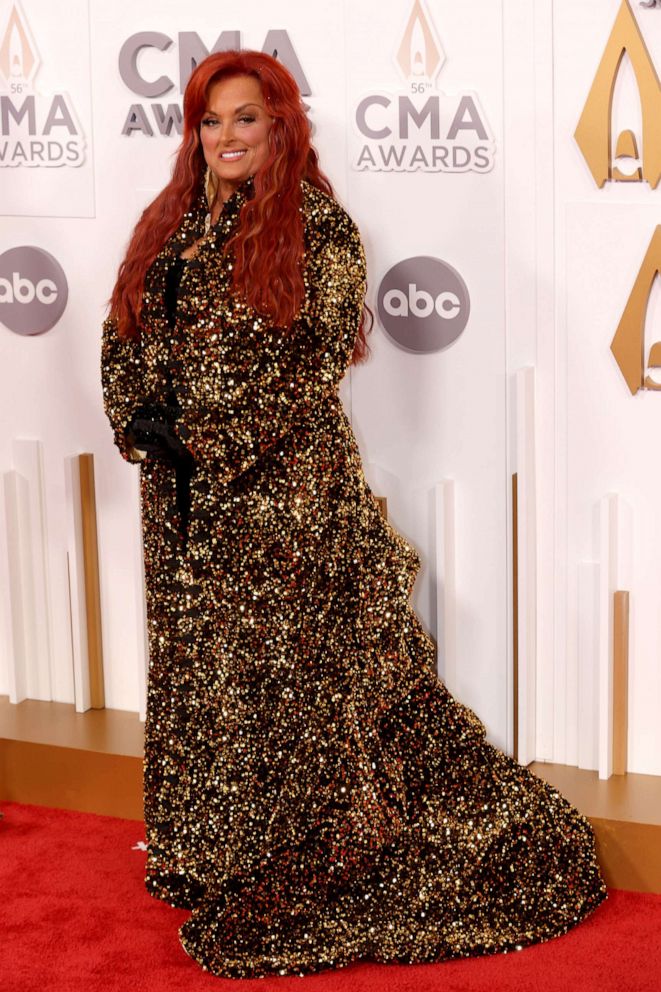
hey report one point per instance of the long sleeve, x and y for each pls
(134, 372)
(121, 380)
(232, 421)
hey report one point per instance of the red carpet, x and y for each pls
(75, 916)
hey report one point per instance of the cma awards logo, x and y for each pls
(422, 128)
(624, 157)
(423, 304)
(36, 129)
(628, 344)
(33, 290)
(166, 118)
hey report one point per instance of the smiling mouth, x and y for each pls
(232, 156)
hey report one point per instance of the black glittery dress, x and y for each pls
(313, 793)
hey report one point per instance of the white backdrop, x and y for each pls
(548, 260)
(609, 436)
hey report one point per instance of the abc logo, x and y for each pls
(423, 304)
(33, 290)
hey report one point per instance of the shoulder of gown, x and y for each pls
(323, 212)
(335, 256)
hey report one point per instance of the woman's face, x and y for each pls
(234, 131)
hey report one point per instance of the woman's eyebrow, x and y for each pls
(237, 111)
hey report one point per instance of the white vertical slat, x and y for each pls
(20, 586)
(27, 456)
(607, 579)
(588, 671)
(567, 727)
(519, 124)
(527, 565)
(446, 631)
(550, 410)
(81, 679)
(531, 294)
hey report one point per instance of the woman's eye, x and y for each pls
(209, 121)
(246, 120)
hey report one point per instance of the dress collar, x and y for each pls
(192, 226)
(231, 207)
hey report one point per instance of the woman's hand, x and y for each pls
(151, 429)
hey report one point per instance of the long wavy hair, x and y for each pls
(268, 247)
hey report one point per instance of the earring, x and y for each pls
(210, 186)
(211, 192)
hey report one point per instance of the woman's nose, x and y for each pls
(225, 132)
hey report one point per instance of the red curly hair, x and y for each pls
(269, 246)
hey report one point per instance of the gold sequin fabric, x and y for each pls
(312, 791)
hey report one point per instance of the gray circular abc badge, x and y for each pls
(423, 304)
(33, 290)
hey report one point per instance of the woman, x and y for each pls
(313, 793)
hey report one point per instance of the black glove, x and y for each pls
(151, 429)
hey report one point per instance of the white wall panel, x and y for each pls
(28, 464)
(426, 417)
(602, 236)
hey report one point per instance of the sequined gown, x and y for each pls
(312, 791)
